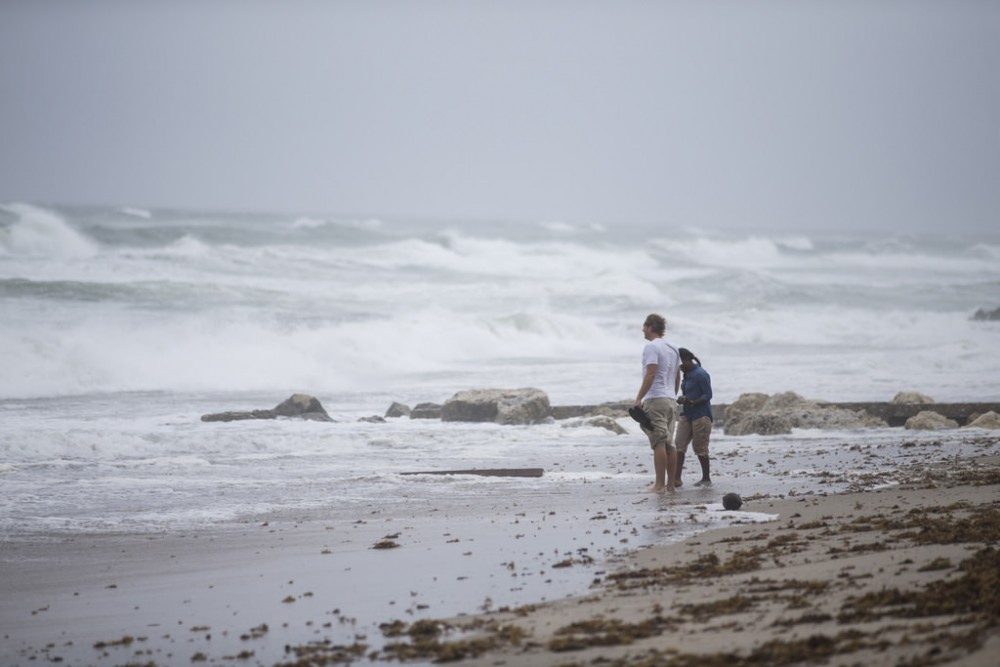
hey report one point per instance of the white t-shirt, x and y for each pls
(659, 352)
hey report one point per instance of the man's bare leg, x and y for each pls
(665, 465)
(660, 466)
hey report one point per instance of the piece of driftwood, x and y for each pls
(486, 472)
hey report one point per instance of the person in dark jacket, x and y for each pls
(695, 423)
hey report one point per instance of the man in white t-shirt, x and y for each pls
(660, 378)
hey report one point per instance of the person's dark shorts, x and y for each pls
(696, 432)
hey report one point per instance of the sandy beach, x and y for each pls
(903, 572)
(903, 575)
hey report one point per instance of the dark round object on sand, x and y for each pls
(732, 501)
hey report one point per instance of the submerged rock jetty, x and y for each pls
(302, 406)
(986, 315)
(751, 413)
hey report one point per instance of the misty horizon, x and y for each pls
(774, 115)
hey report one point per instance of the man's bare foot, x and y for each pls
(655, 489)
(679, 483)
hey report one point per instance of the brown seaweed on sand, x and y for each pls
(426, 640)
(975, 593)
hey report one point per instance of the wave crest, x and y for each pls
(39, 232)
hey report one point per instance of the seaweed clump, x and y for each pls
(919, 526)
(709, 565)
(775, 653)
(708, 610)
(983, 526)
(318, 654)
(976, 593)
(601, 632)
(425, 641)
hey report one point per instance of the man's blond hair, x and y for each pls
(657, 323)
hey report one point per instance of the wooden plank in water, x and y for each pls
(486, 472)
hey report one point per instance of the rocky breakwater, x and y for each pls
(984, 315)
(514, 407)
(503, 406)
(780, 413)
(300, 406)
(929, 420)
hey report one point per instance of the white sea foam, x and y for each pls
(187, 246)
(39, 232)
(559, 227)
(729, 253)
(796, 243)
(137, 212)
(197, 315)
(308, 223)
(120, 331)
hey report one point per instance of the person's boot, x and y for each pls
(706, 479)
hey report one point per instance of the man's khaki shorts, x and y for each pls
(696, 432)
(662, 412)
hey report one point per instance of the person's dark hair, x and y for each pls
(687, 355)
(657, 323)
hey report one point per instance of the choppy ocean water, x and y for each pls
(121, 327)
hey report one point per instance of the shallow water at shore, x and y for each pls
(260, 535)
(96, 464)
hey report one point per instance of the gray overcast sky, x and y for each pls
(791, 114)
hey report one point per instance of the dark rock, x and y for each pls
(613, 409)
(301, 406)
(784, 401)
(911, 398)
(503, 406)
(599, 422)
(990, 420)
(758, 422)
(426, 411)
(732, 501)
(747, 403)
(927, 420)
(232, 416)
(987, 315)
(607, 423)
(778, 414)
(398, 410)
(374, 419)
(896, 414)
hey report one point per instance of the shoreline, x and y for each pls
(511, 577)
(905, 574)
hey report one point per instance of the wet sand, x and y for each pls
(247, 592)
(903, 575)
(906, 573)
